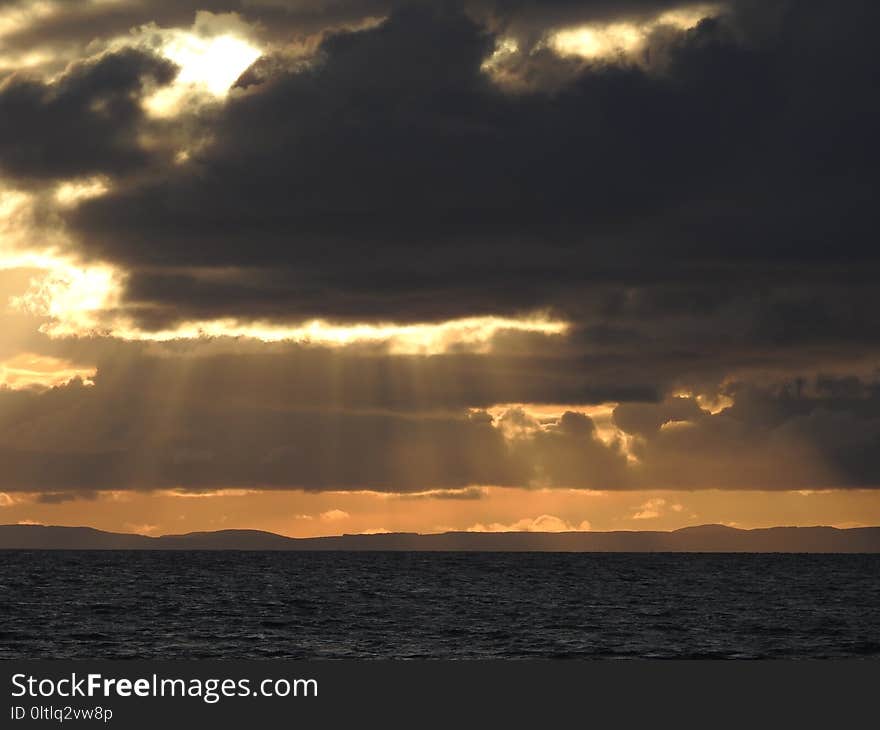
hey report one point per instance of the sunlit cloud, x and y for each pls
(650, 509)
(87, 302)
(521, 63)
(542, 523)
(597, 41)
(30, 236)
(455, 493)
(522, 420)
(334, 515)
(473, 333)
(17, 16)
(621, 40)
(24, 61)
(27, 370)
(207, 494)
(550, 413)
(712, 403)
(72, 192)
(676, 425)
(16, 222)
(505, 49)
(142, 529)
(64, 290)
(74, 298)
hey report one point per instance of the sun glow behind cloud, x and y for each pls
(622, 38)
(87, 302)
(62, 287)
(211, 57)
(214, 63)
(472, 333)
(78, 299)
(72, 297)
(83, 304)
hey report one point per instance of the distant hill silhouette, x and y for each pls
(704, 538)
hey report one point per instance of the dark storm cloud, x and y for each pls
(784, 436)
(645, 419)
(86, 122)
(703, 217)
(394, 180)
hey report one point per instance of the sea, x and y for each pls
(377, 605)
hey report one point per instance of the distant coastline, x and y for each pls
(703, 538)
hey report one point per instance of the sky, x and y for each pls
(326, 266)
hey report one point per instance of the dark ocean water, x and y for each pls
(457, 605)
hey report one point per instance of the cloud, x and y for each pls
(99, 103)
(466, 493)
(334, 515)
(649, 510)
(651, 194)
(542, 523)
(141, 529)
(62, 497)
(646, 418)
(205, 494)
(227, 425)
(645, 220)
(28, 370)
(692, 217)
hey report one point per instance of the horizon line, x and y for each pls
(387, 533)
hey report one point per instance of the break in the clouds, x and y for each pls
(377, 241)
